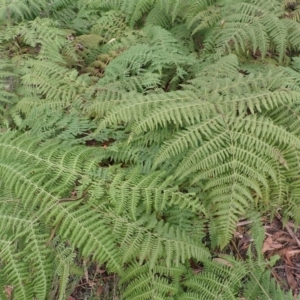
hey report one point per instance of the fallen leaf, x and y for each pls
(100, 290)
(287, 254)
(290, 278)
(293, 252)
(269, 244)
(8, 291)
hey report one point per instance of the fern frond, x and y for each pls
(64, 260)
(242, 26)
(168, 243)
(157, 283)
(126, 194)
(163, 109)
(110, 26)
(23, 249)
(51, 81)
(9, 82)
(21, 9)
(218, 277)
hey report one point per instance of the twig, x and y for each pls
(289, 230)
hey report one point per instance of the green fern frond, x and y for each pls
(207, 15)
(50, 80)
(242, 26)
(218, 277)
(72, 128)
(156, 283)
(64, 261)
(20, 9)
(126, 194)
(167, 243)
(110, 26)
(23, 249)
(9, 82)
(174, 107)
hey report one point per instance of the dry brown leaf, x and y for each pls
(293, 235)
(287, 253)
(8, 291)
(293, 252)
(290, 278)
(286, 240)
(290, 224)
(269, 244)
(287, 259)
(100, 290)
(101, 271)
(196, 271)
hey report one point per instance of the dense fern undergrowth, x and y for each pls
(134, 134)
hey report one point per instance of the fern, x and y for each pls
(135, 134)
(20, 9)
(23, 253)
(80, 223)
(147, 283)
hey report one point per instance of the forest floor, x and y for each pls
(281, 240)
